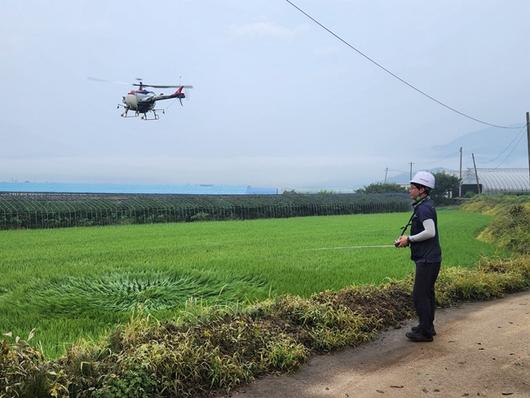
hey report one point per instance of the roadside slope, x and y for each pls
(482, 349)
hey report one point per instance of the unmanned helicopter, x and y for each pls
(142, 101)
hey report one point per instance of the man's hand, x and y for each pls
(402, 241)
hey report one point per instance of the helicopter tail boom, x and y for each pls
(179, 93)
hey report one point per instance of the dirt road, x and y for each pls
(482, 349)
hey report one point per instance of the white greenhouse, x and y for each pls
(496, 181)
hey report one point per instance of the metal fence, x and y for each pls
(52, 210)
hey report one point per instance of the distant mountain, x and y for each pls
(493, 148)
(490, 145)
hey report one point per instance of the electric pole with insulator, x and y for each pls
(460, 181)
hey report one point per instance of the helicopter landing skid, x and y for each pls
(126, 110)
(155, 115)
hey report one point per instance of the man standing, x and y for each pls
(425, 252)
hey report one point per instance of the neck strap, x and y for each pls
(414, 206)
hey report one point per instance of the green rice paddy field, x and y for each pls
(79, 282)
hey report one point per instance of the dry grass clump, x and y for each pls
(516, 265)
(457, 284)
(320, 327)
(384, 305)
(173, 360)
(284, 353)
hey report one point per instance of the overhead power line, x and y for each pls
(515, 139)
(396, 76)
(521, 136)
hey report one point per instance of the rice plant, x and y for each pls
(125, 291)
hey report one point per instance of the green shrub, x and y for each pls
(380, 187)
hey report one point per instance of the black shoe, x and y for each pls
(418, 337)
(416, 329)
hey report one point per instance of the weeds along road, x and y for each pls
(482, 349)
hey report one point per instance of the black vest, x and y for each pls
(429, 250)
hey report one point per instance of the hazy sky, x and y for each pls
(277, 100)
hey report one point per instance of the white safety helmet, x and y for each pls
(423, 178)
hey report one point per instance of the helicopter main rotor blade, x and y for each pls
(140, 84)
(162, 86)
(96, 79)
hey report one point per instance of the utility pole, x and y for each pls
(476, 174)
(528, 141)
(460, 181)
(386, 174)
(411, 170)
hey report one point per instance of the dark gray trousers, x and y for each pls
(423, 294)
